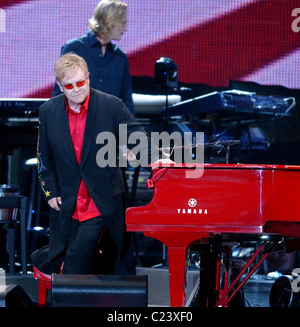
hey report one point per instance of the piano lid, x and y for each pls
(226, 198)
(225, 166)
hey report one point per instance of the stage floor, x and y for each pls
(256, 290)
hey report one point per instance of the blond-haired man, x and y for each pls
(107, 63)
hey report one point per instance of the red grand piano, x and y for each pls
(192, 203)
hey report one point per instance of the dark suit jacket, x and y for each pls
(60, 174)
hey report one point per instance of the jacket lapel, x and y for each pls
(66, 134)
(89, 129)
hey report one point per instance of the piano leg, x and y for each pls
(178, 245)
(177, 275)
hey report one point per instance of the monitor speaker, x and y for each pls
(99, 291)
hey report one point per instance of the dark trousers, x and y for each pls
(82, 243)
(81, 255)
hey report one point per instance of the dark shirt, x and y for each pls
(108, 73)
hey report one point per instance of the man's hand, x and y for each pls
(130, 156)
(54, 203)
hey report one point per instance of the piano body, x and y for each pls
(223, 199)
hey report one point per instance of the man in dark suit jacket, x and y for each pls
(84, 198)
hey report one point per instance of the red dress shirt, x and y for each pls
(85, 207)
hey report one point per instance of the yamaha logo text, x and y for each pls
(192, 208)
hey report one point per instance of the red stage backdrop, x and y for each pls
(212, 41)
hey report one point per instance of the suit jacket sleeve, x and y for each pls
(46, 165)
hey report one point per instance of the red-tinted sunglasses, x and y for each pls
(71, 86)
